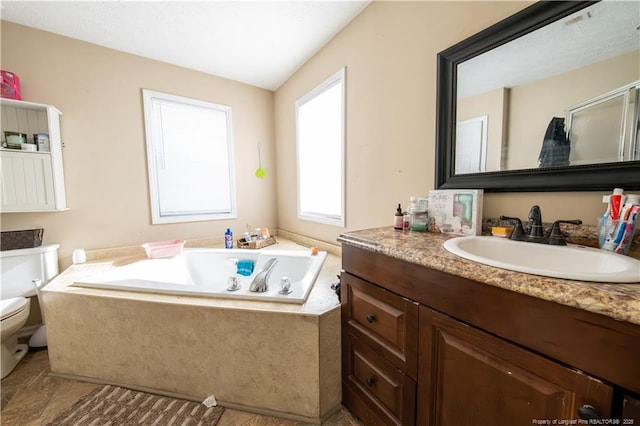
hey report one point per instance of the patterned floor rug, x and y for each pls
(112, 405)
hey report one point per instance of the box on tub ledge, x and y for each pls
(162, 249)
(281, 359)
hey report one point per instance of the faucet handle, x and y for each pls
(518, 232)
(556, 237)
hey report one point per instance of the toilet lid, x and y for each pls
(10, 307)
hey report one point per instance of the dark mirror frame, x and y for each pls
(604, 176)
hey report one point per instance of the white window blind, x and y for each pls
(190, 159)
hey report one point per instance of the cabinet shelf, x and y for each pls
(32, 181)
(24, 151)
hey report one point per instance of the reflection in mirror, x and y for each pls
(610, 117)
(566, 94)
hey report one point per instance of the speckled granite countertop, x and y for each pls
(619, 301)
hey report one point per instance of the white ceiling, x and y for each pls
(602, 31)
(261, 43)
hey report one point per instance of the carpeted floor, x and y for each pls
(112, 405)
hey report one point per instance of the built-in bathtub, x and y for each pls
(210, 272)
(262, 356)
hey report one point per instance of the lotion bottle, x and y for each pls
(398, 219)
(228, 239)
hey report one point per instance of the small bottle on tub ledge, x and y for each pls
(228, 239)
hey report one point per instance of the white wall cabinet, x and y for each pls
(31, 181)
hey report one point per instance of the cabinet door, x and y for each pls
(469, 377)
(27, 181)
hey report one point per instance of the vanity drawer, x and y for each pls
(389, 322)
(372, 379)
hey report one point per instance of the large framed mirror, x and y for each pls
(546, 100)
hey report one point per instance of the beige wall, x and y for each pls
(98, 91)
(390, 51)
(390, 54)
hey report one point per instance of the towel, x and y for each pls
(245, 267)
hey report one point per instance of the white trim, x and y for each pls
(337, 78)
(624, 92)
(153, 154)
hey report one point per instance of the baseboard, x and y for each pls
(334, 249)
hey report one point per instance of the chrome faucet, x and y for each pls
(259, 283)
(536, 230)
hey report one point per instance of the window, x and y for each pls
(190, 159)
(320, 148)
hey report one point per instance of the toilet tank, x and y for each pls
(20, 267)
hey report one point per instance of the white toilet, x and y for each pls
(15, 312)
(19, 269)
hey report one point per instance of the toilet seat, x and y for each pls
(13, 306)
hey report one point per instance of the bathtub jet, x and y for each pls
(207, 273)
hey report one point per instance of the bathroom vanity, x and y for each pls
(429, 338)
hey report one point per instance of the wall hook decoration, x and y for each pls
(260, 172)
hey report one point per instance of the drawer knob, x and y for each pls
(371, 318)
(371, 381)
(588, 412)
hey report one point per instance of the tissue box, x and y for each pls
(456, 211)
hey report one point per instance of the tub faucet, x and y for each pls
(259, 283)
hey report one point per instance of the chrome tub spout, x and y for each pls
(259, 283)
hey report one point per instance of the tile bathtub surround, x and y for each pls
(270, 357)
(619, 301)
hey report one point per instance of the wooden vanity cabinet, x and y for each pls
(380, 356)
(444, 350)
(478, 379)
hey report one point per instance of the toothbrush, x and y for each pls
(625, 244)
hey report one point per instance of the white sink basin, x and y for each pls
(570, 262)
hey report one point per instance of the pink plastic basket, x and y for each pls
(9, 85)
(166, 248)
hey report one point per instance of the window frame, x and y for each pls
(153, 136)
(338, 78)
